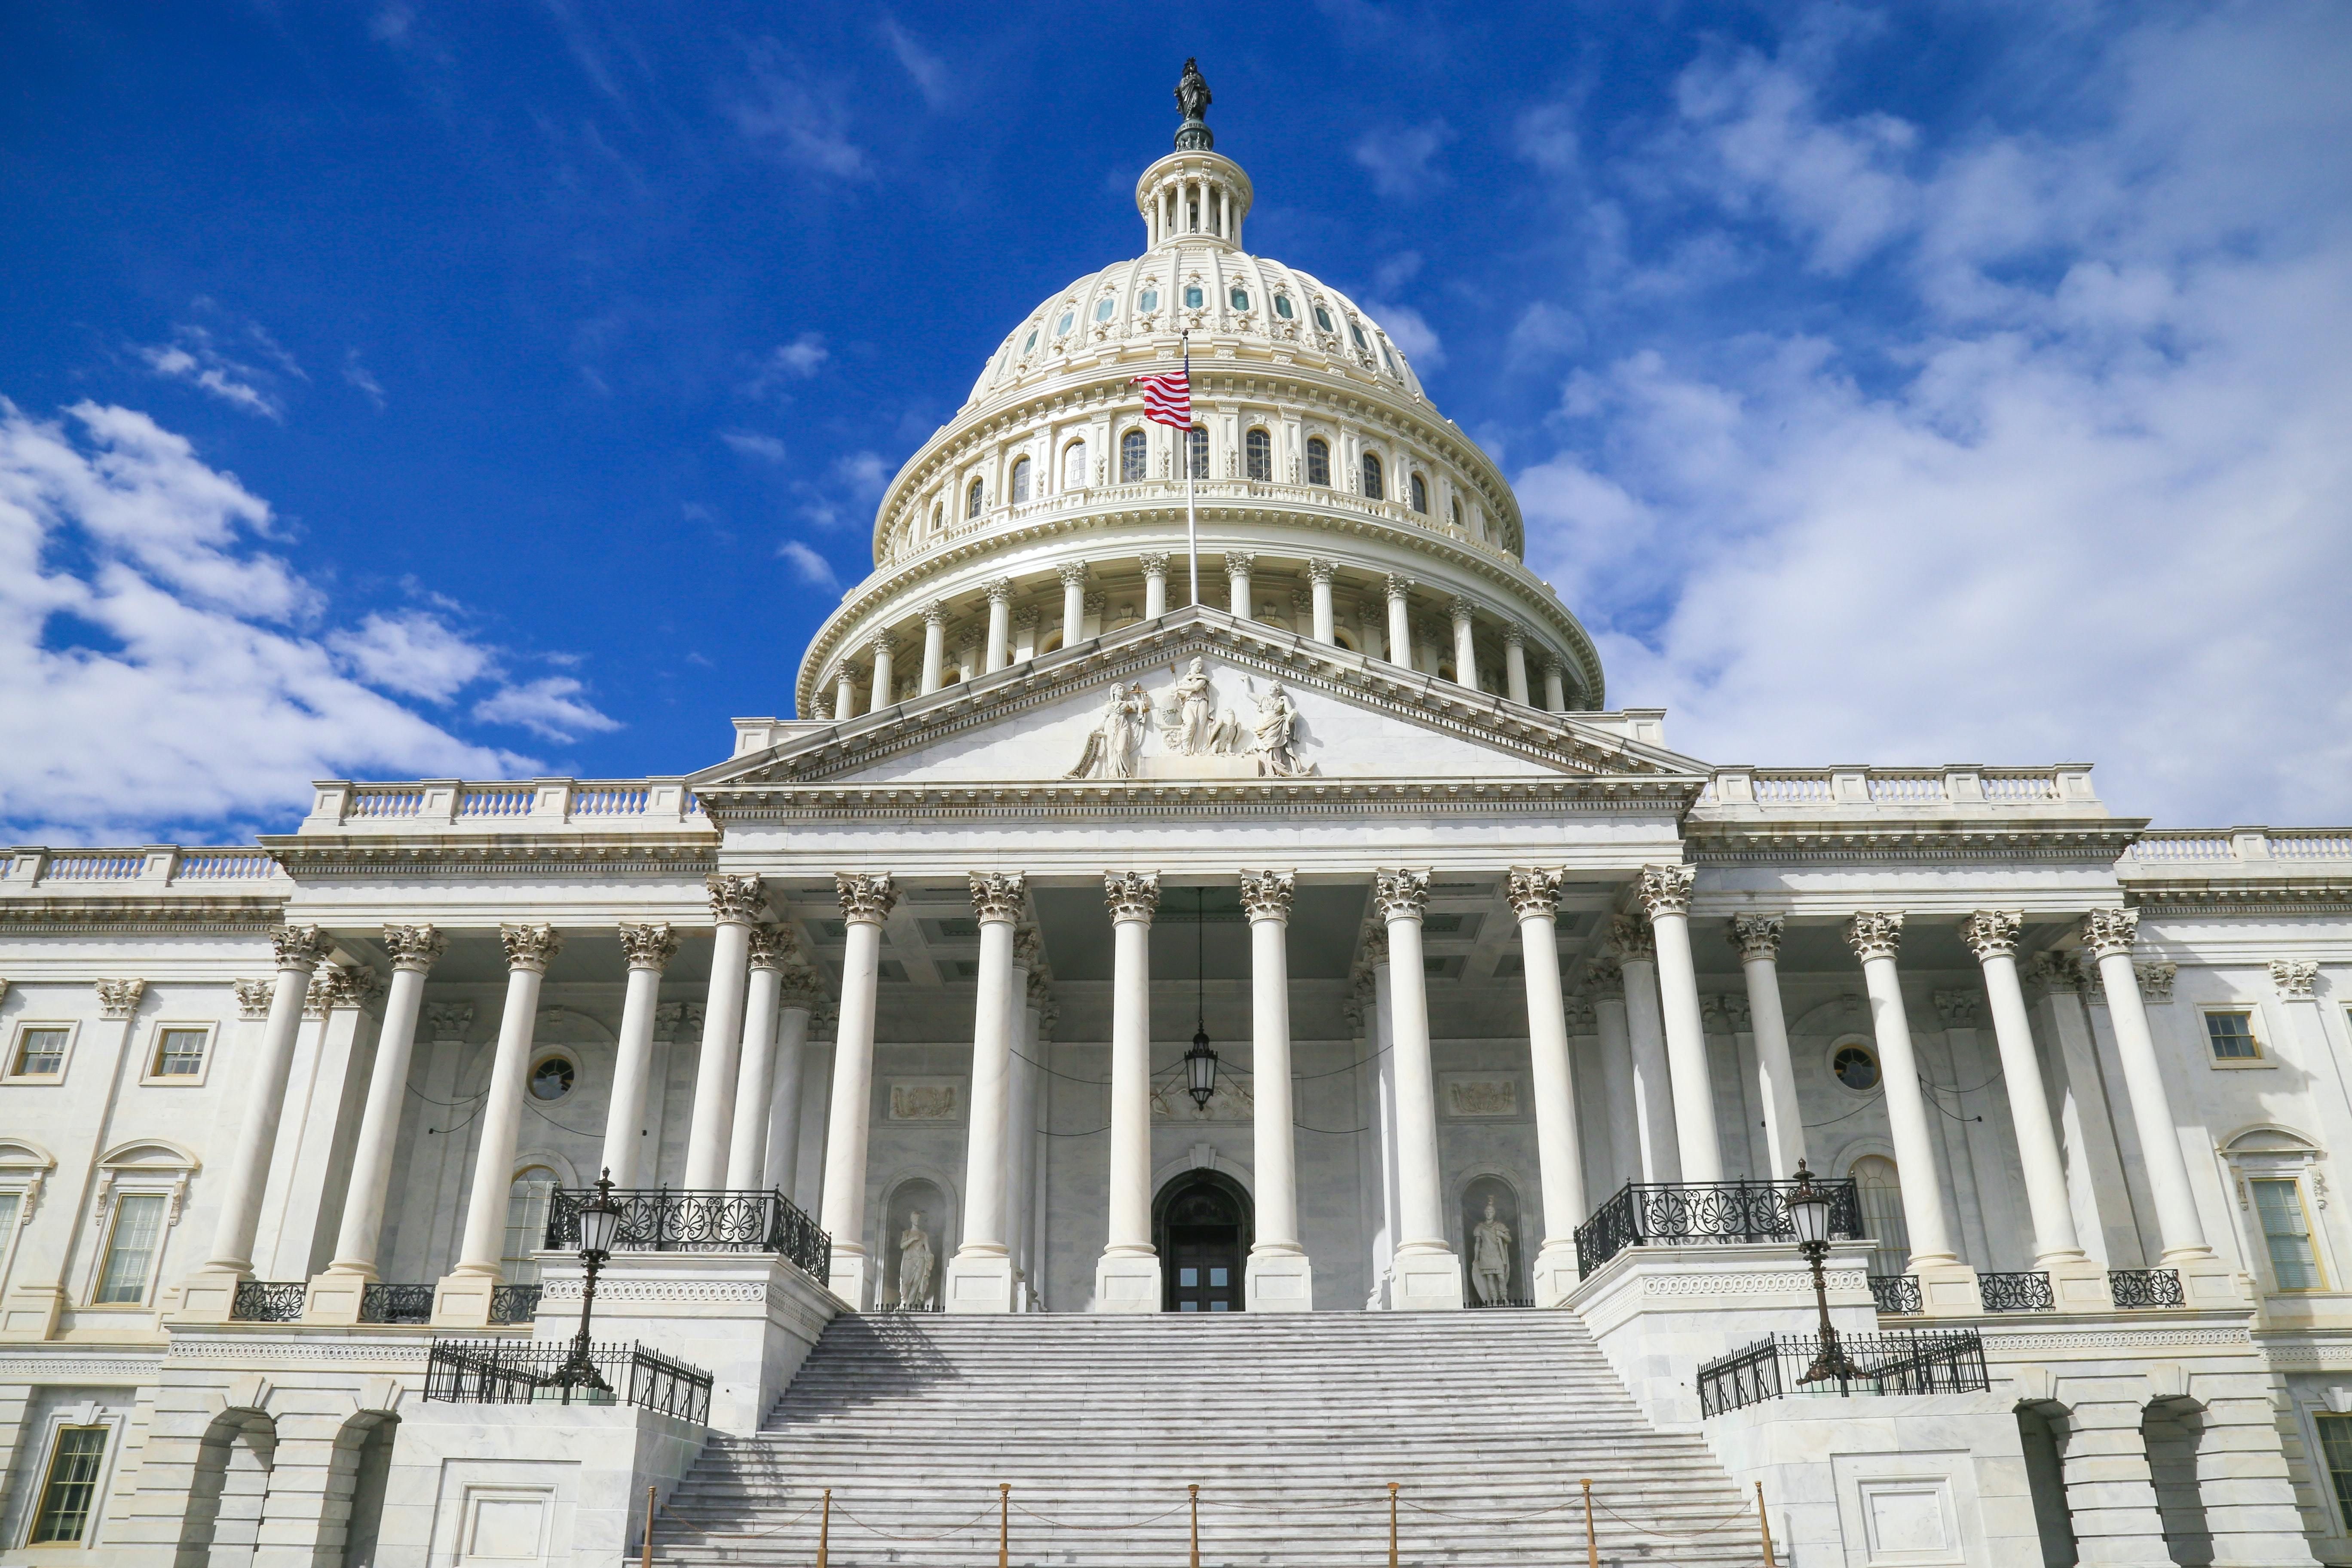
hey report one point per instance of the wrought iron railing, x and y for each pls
(669, 1219)
(1897, 1295)
(511, 1372)
(1678, 1213)
(2016, 1292)
(1948, 1361)
(513, 1303)
(396, 1304)
(928, 1304)
(2134, 1290)
(269, 1301)
(1470, 1298)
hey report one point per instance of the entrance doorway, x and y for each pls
(1200, 1224)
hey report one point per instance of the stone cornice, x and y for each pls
(2011, 836)
(61, 915)
(504, 854)
(2316, 895)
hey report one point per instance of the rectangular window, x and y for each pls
(131, 1246)
(11, 1208)
(2231, 1035)
(2286, 1231)
(2336, 1445)
(72, 1487)
(179, 1053)
(40, 1052)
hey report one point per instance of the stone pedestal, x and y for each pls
(335, 1296)
(1127, 1282)
(462, 1300)
(1426, 1281)
(1556, 1278)
(1279, 1282)
(1948, 1290)
(980, 1282)
(206, 1297)
(2212, 1283)
(854, 1275)
(2078, 1285)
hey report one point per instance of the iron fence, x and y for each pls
(269, 1301)
(1470, 1298)
(1676, 1214)
(2136, 1288)
(1947, 1361)
(507, 1371)
(396, 1304)
(669, 1219)
(2016, 1292)
(1897, 1295)
(513, 1303)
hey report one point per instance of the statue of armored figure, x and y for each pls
(915, 1265)
(1490, 1259)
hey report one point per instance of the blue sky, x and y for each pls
(407, 389)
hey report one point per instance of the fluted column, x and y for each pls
(1238, 565)
(1515, 662)
(1319, 579)
(798, 995)
(648, 948)
(866, 903)
(1021, 1143)
(300, 949)
(1074, 602)
(1758, 938)
(1653, 1101)
(1155, 585)
(1991, 935)
(1465, 644)
(755, 1069)
(1535, 898)
(465, 1294)
(1665, 892)
(413, 950)
(935, 649)
(1126, 1277)
(736, 902)
(1604, 980)
(1946, 1284)
(1428, 1275)
(1400, 648)
(844, 693)
(998, 651)
(2108, 934)
(980, 1275)
(885, 691)
(1555, 686)
(1278, 1276)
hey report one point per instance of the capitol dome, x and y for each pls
(1332, 500)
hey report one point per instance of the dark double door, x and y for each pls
(1203, 1224)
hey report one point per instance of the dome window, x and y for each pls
(939, 515)
(1030, 342)
(1194, 299)
(971, 499)
(1069, 319)
(1388, 360)
(1240, 298)
(1323, 319)
(1420, 494)
(1131, 458)
(1319, 460)
(1358, 334)
(1457, 511)
(1257, 450)
(1282, 306)
(1104, 307)
(1074, 465)
(1148, 302)
(1373, 490)
(1196, 452)
(1020, 481)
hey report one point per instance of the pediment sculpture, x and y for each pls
(1187, 723)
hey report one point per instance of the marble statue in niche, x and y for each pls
(1490, 1259)
(916, 1262)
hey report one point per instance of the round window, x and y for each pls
(1030, 342)
(1104, 308)
(1282, 306)
(1148, 301)
(1322, 318)
(1192, 297)
(552, 1078)
(1241, 298)
(1069, 319)
(1856, 1068)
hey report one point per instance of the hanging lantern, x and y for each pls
(1200, 1070)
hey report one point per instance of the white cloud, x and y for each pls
(752, 443)
(357, 374)
(1399, 158)
(812, 569)
(413, 653)
(550, 707)
(792, 122)
(931, 73)
(802, 358)
(865, 474)
(1546, 137)
(1411, 332)
(194, 357)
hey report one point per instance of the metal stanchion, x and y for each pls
(1004, 1524)
(1393, 1550)
(1196, 1524)
(1764, 1524)
(1591, 1542)
(823, 1527)
(646, 1553)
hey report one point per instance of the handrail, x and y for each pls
(511, 1372)
(1945, 1362)
(1650, 1213)
(671, 1219)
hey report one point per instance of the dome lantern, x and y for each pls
(1194, 193)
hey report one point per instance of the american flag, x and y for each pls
(1168, 399)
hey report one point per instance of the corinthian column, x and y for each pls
(463, 1297)
(866, 903)
(884, 684)
(935, 649)
(980, 1275)
(1465, 646)
(1074, 602)
(1515, 662)
(1665, 892)
(1400, 642)
(736, 904)
(1428, 1275)
(1238, 564)
(1319, 579)
(626, 1159)
(2108, 934)
(413, 950)
(1630, 943)
(1535, 898)
(1000, 625)
(799, 995)
(1155, 585)
(1758, 938)
(1278, 1276)
(755, 1073)
(1126, 1277)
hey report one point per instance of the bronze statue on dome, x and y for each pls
(1192, 98)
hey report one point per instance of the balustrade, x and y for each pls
(507, 1372)
(1952, 1362)
(269, 1301)
(1897, 1295)
(2020, 1292)
(513, 1303)
(1678, 1213)
(669, 1219)
(397, 1304)
(2135, 1289)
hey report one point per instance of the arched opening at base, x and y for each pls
(1202, 1222)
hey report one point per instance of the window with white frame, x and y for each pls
(2230, 1036)
(134, 1239)
(2285, 1222)
(40, 1049)
(2281, 1192)
(2335, 1450)
(178, 1053)
(68, 1496)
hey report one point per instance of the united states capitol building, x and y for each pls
(1267, 1018)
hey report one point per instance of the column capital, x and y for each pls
(336, 985)
(413, 948)
(1095, 601)
(2156, 977)
(649, 946)
(1049, 1013)
(1513, 634)
(448, 1020)
(1874, 934)
(1239, 564)
(935, 614)
(1029, 955)
(1321, 570)
(881, 645)
(1533, 891)
(301, 947)
(1154, 563)
(1460, 609)
(1073, 574)
(801, 988)
(1375, 945)
(1028, 618)
(1958, 1009)
(2293, 976)
(736, 900)
(2056, 970)
(118, 998)
(864, 898)
(1401, 895)
(999, 591)
(1398, 588)
(1131, 895)
(1605, 975)
(998, 896)
(530, 947)
(1993, 933)
(1555, 665)
(1266, 894)
(253, 999)
(1758, 936)
(1630, 941)
(773, 947)
(1666, 889)
(2107, 931)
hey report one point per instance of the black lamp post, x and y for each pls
(600, 1224)
(1200, 1062)
(1809, 1214)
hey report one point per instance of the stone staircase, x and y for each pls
(1292, 1424)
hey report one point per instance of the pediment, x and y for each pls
(1198, 696)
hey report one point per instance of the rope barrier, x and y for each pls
(1674, 1534)
(843, 1511)
(1063, 1524)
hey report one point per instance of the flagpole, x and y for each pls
(1192, 522)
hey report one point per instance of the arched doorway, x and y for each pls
(1202, 1223)
(1880, 1187)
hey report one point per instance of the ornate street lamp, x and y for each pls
(1809, 1214)
(600, 1225)
(1200, 1062)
